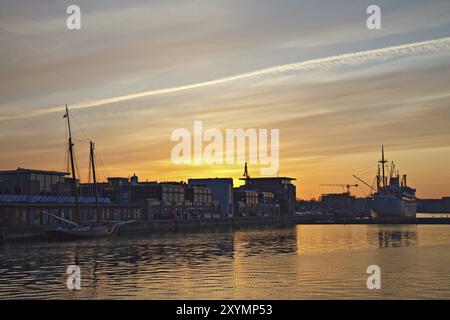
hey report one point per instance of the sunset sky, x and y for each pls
(137, 70)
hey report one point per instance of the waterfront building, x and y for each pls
(222, 192)
(162, 200)
(434, 205)
(282, 188)
(197, 193)
(246, 202)
(446, 204)
(119, 198)
(122, 190)
(22, 210)
(34, 182)
(339, 204)
(252, 202)
(199, 202)
(267, 205)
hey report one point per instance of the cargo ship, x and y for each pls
(392, 198)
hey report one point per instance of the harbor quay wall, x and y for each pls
(156, 226)
(18, 233)
(159, 226)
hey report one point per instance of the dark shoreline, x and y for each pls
(10, 234)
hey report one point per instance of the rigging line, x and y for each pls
(373, 182)
(105, 174)
(365, 170)
(79, 128)
(99, 172)
(80, 140)
(101, 176)
(97, 166)
(101, 167)
(362, 173)
(102, 164)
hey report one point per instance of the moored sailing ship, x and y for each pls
(76, 229)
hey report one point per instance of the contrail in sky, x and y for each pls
(347, 59)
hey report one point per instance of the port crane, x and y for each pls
(348, 186)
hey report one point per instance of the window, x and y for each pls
(25, 216)
(116, 214)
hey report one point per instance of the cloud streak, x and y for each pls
(326, 63)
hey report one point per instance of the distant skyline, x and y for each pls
(138, 70)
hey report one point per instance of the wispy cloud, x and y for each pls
(326, 63)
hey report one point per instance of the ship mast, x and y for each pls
(77, 217)
(92, 146)
(383, 162)
(378, 178)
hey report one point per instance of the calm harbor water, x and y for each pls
(303, 262)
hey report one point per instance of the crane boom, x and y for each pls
(364, 182)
